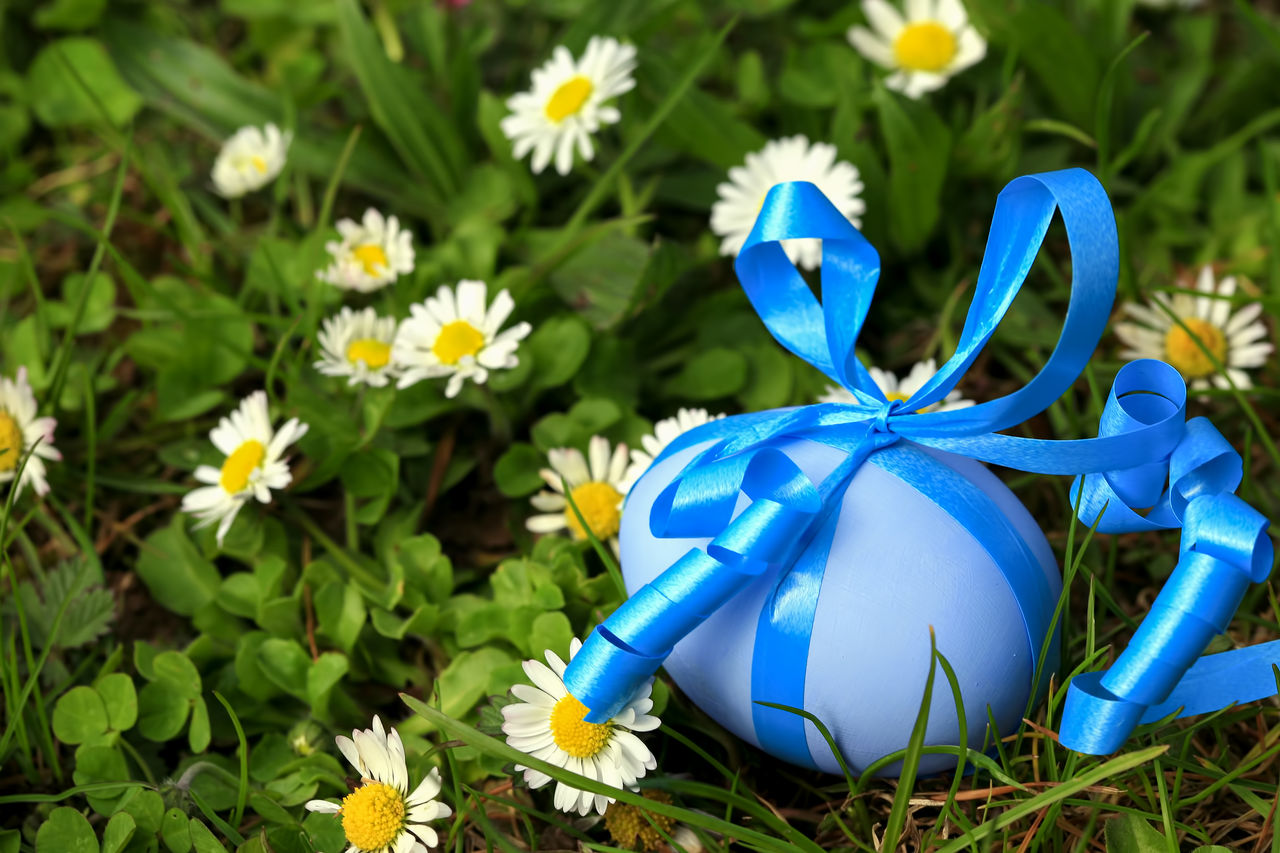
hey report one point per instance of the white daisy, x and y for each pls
(22, 432)
(566, 103)
(249, 160)
(357, 345)
(596, 488)
(548, 724)
(894, 388)
(1237, 341)
(664, 432)
(934, 42)
(789, 159)
(382, 816)
(253, 467)
(370, 255)
(454, 334)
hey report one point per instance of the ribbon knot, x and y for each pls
(880, 423)
(1143, 441)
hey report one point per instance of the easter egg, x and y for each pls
(923, 540)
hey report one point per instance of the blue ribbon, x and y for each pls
(789, 515)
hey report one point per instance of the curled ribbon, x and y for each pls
(789, 514)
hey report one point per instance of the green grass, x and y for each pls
(162, 693)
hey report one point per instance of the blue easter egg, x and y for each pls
(924, 539)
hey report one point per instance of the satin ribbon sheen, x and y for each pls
(1144, 441)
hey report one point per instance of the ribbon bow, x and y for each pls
(788, 512)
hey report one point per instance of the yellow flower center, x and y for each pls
(598, 503)
(372, 352)
(569, 98)
(259, 164)
(372, 816)
(372, 258)
(575, 735)
(1182, 351)
(629, 828)
(240, 464)
(924, 46)
(895, 395)
(456, 341)
(10, 442)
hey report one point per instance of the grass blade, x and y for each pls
(911, 761)
(1114, 767)
(491, 746)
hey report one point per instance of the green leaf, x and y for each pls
(770, 378)
(421, 133)
(1059, 55)
(119, 830)
(80, 715)
(239, 595)
(97, 764)
(174, 572)
(558, 347)
(269, 810)
(322, 676)
(576, 427)
(198, 735)
(552, 631)
(204, 340)
(69, 14)
(252, 680)
(600, 280)
(425, 566)
(709, 375)
(100, 304)
(176, 670)
(699, 124)
(121, 700)
(175, 829)
(162, 711)
(919, 145)
(72, 81)
(89, 608)
(516, 471)
(204, 839)
(1129, 833)
(340, 613)
(371, 473)
(66, 831)
(10, 841)
(145, 807)
(473, 674)
(286, 664)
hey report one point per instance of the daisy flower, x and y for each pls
(22, 432)
(894, 388)
(566, 103)
(357, 345)
(596, 488)
(1237, 340)
(934, 42)
(249, 160)
(454, 334)
(664, 432)
(382, 816)
(370, 255)
(548, 723)
(789, 159)
(253, 466)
